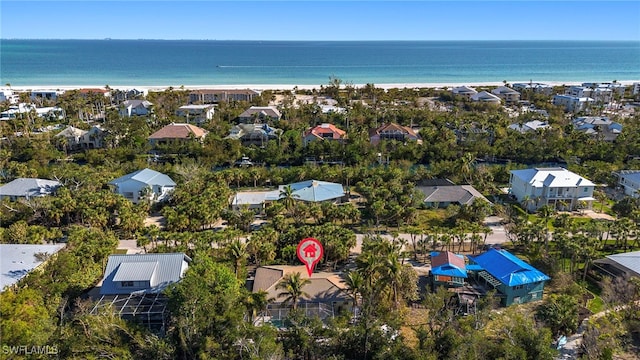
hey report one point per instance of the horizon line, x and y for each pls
(318, 40)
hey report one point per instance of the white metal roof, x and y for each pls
(551, 177)
(17, 260)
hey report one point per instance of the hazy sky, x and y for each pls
(322, 20)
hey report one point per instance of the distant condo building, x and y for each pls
(211, 96)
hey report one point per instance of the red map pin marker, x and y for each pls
(309, 252)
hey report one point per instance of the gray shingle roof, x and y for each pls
(160, 270)
(462, 194)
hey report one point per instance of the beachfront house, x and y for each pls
(447, 269)
(130, 108)
(324, 132)
(536, 88)
(213, 96)
(463, 91)
(507, 94)
(144, 185)
(27, 188)
(196, 114)
(39, 95)
(260, 114)
(515, 281)
(557, 187)
(395, 132)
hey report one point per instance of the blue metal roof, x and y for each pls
(314, 190)
(146, 176)
(508, 268)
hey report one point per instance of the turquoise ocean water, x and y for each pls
(195, 62)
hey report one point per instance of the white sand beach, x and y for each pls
(292, 86)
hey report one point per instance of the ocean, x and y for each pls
(203, 62)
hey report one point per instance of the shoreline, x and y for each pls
(263, 87)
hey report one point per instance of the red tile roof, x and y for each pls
(326, 129)
(447, 257)
(179, 131)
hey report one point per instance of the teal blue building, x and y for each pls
(516, 281)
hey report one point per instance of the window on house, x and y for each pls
(126, 283)
(585, 189)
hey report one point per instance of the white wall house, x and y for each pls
(144, 184)
(464, 91)
(629, 181)
(196, 114)
(572, 103)
(135, 108)
(557, 187)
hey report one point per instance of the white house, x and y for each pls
(145, 183)
(557, 187)
(464, 91)
(507, 94)
(135, 108)
(529, 126)
(486, 97)
(9, 96)
(537, 88)
(629, 181)
(196, 114)
(598, 126)
(45, 94)
(26, 188)
(262, 113)
(572, 103)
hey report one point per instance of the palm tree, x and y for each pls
(292, 285)
(256, 303)
(237, 253)
(355, 284)
(288, 197)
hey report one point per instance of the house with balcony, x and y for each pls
(507, 94)
(177, 134)
(486, 97)
(143, 185)
(463, 91)
(556, 187)
(600, 127)
(537, 88)
(395, 132)
(196, 114)
(323, 132)
(130, 108)
(447, 269)
(254, 134)
(572, 103)
(629, 182)
(39, 95)
(516, 281)
(214, 96)
(259, 114)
